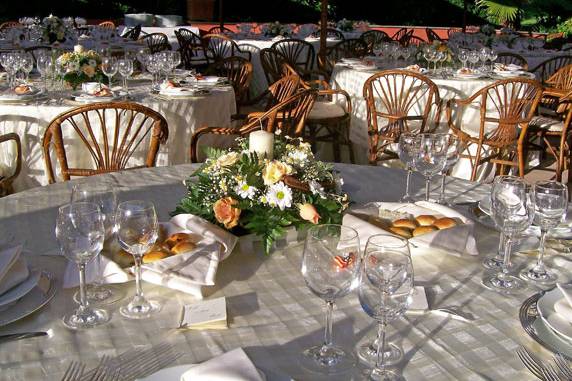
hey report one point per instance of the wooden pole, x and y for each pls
(464, 16)
(323, 28)
(220, 13)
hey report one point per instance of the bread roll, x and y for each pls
(425, 219)
(444, 223)
(402, 232)
(183, 247)
(154, 256)
(176, 238)
(423, 230)
(22, 89)
(404, 223)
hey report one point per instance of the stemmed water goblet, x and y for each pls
(379, 245)
(496, 262)
(385, 290)
(453, 153)
(408, 147)
(27, 65)
(493, 55)
(484, 57)
(330, 266)
(105, 197)
(429, 54)
(153, 67)
(109, 67)
(473, 57)
(80, 233)
(125, 68)
(137, 230)
(463, 56)
(550, 206)
(45, 66)
(512, 210)
(431, 157)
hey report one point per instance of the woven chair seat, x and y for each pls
(545, 123)
(326, 110)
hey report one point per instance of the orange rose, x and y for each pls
(226, 213)
(309, 213)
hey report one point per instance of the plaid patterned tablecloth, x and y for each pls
(272, 314)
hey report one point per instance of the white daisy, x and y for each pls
(245, 191)
(279, 195)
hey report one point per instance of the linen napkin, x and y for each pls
(13, 269)
(563, 306)
(457, 240)
(231, 366)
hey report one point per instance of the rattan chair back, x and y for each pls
(512, 58)
(547, 68)
(156, 42)
(238, 70)
(351, 48)
(220, 29)
(6, 182)
(272, 62)
(133, 33)
(399, 34)
(373, 38)
(432, 36)
(331, 33)
(298, 53)
(107, 25)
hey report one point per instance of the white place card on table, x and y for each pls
(206, 314)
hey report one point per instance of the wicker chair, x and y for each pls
(156, 42)
(331, 33)
(298, 53)
(6, 181)
(432, 36)
(399, 34)
(506, 107)
(239, 72)
(123, 127)
(373, 38)
(107, 25)
(36, 51)
(452, 31)
(547, 68)
(10, 24)
(220, 29)
(272, 62)
(404, 40)
(133, 33)
(193, 52)
(278, 92)
(288, 116)
(220, 46)
(414, 40)
(395, 98)
(512, 58)
(351, 48)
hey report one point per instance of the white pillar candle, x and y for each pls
(78, 48)
(261, 142)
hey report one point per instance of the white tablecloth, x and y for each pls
(272, 314)
(183, 117)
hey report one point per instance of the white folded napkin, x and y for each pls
(186, 272)
(13, 269)
(231, 366)
(457, 240)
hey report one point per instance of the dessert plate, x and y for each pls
(20, 290)
(175, 373)
(550, 317)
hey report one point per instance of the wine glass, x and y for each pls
(137, 230)
(453, 153)
(463, 56)
(473, 57)
(550, 205)
(330, 266)
(380, 244)
(80, 233)
(385, 291)
(45, 66)
(429, 55)
(109, 67)
(153, 67)
(484, 56)
(512, 211)
(125, 68)
(408, 147)
(105, 197)
(493, 55)
(27, 65)
(431, 157)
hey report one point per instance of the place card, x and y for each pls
(206, 314)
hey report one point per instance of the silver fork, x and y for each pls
(550, 373)
(531, 362)
(74, 371)
(563, 365)
(138, 363)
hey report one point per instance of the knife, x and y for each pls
(20, 336)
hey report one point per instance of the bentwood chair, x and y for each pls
(512, 58)
(415, 41)
(272, 62)
(133, 33)
(38, 50)
(397, 101)
(107, 25)
(432, 36)
(547, 68)
(373, 38)
(506, 108)
(404, 40)
(107, 133)
(298, 53)
(220, 29)
(193, 52)
(397, 36)
(278, 92)
(220, 46)
(7, 180)
(156, 42)
(238, 70)
(351, 48)
(331, 33)
(288, 116)
(9, 24)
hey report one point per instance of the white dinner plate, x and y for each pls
(510, 73)
(467, 75)
(174, 373)
(183, 92)
(20, 290)
(82, 97)
(550, 317)
(11, 96)
(421, 70)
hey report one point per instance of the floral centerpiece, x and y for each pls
(81, 66)
(54, 29)
(276, 29)
(246, 193)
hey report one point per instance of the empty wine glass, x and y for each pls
(473, 57)
(137, 230)
(109, 67)
(385, 291)
(125, 68)
(153, 67)
(408, 148)
(453, 153)
(463, 56)
(484, 56)
(512, 211)
(429, 55)
(105, 197)
(380, 244)
(431, 157)
(80, 233)
(45, 66)
(27, 65)
(493, 55)
(550, 206)
(330, 267)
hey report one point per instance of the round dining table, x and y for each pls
(272, 315)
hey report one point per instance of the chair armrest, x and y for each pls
(15, 138)
(329, 92)
(208, 130)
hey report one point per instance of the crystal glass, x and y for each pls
(429, 55)
(385, 291)
(330, 267)
(493, 55)
(496, 261)
(105, 197)
(380, 244)
(431, 157)
(153, 67)
(80, 233)
(45, 66)
(550, 206)
(484, 56)
(137, 230)
(27, 65)
(125, 68)
(453, 153)
(463, 56)
(408, 147)
(109, 67)
(512, 210)
(473, 57)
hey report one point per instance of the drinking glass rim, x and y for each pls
(548, 184)
(404, 242)
(145, 205)
(67, 208)
(316, 228)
